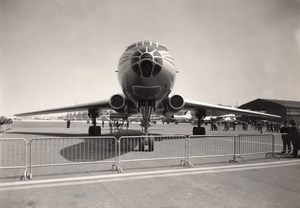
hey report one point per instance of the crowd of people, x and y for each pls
(290, 133)
(259, 126)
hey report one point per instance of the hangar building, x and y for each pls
(288, 110)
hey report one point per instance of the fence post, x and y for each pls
(273, 145)
(236, 150)
(116, 166)
(187, 161)
(29, 176)
(273, 154)
(24, 176)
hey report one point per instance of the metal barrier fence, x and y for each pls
(278, 142)
(142, 148)
(42, 152)
(71, 151)
(254, 144)
(210, 146)
(13, 154)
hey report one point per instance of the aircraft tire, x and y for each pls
(142, 145)
(202, 131)
(196, 131)
(91, 131)
(98, 131)
(95, 131)
(199, 131)
(151, 144)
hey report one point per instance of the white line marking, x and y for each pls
(135, 176)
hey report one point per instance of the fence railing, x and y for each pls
(45, 152)
(141, 148)
(13, 155)
(71, 151)
(253, 144)
(210, 146)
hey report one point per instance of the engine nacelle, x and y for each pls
(118, 102)
(174, 104)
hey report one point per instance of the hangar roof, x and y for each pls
(262, 104)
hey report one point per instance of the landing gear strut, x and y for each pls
(146, 107)
(94, 130)
(199, 130)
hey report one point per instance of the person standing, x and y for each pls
(295, 138)
(286, 141)
(68, 123)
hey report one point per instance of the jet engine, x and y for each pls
(118, 102)
(174, 104)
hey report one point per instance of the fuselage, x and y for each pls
(146, 71)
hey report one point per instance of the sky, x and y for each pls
(65, 52)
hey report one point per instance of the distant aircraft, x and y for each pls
(146, 73)
(5, 120)
(221, 118)
(187, 117)
(228, 117)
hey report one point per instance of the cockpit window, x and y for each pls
(143, 50)
(136, 69)
(147, 43)
(156, 69)
(163, 47)
(146, 61)
(130, 47)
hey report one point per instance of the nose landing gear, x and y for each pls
(146, 107)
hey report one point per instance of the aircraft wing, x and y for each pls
(211, 109)
(95, 106)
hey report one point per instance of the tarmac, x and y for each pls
(212, 182)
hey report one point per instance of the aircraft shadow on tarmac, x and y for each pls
(47, 134)
(117, 134)
(91, 150)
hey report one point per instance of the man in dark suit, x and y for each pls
(295, 137)
(286, 140)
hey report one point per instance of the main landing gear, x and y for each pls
(199, 130)
(94, 130)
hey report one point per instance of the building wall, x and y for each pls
(278, 111)
(293, 114)
(277, 107)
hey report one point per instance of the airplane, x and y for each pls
(228, 117)
(221, 118)
(187, 117)
(5, 120)
(146, 74)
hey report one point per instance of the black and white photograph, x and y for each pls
(161, 103)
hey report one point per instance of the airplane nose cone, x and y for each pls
(146, 63)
